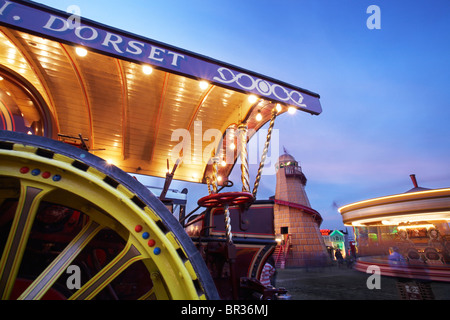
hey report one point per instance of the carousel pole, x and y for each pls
(215, 161)
(230, 247)
(228, 234)
(264, 154)
(208, 183)
(244, 160)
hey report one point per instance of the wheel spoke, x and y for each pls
(48, 277)
(159, 287)
(150, 295)
(168, 264)
(125, 258)
(29, 200)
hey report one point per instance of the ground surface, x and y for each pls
(333, 283)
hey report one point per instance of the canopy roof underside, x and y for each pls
(135, 120)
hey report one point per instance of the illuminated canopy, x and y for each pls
(132, 98)
(409, 207)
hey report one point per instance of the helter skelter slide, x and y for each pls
(83, 106)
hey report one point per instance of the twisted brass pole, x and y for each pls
(208, 183)
(214, 177)
(264, 154)
(244, 160)
(228, 233)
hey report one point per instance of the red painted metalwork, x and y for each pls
(316, 215)
(229, 198)
(254, 242)
(282, 252)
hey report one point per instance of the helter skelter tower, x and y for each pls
(295, 220)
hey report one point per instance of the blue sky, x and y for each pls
(384, 92)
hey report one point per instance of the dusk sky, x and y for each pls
(384, 92)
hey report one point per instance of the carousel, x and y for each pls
(406, 235)
(84, 108)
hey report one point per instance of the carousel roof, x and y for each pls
(133, 100)
(415, 205)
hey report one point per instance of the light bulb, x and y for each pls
(147, 69)
(82, 52)
(292, 110)
(252, 98)
(203, 85)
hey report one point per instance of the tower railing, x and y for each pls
(289, 170)
(295, 171)
(283, 250)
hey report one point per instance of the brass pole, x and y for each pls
(244, 160)
(208, 183)
(264, 154)
(214, 177)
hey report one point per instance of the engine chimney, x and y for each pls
(413, 178)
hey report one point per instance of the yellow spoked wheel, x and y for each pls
(74, 227)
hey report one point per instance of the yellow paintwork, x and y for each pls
(177, 275)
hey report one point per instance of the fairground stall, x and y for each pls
(83, 106)
(406, 235)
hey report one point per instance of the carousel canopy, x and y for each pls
(139, 103)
